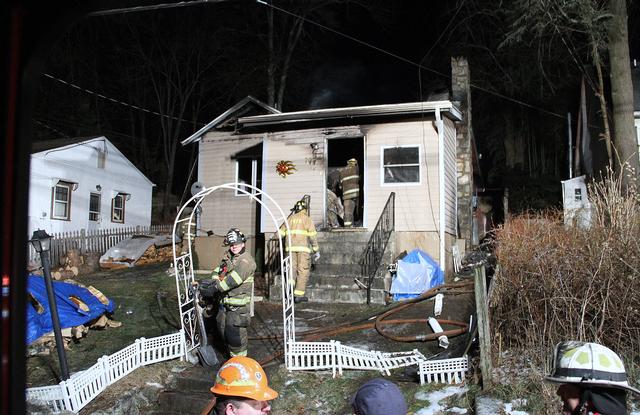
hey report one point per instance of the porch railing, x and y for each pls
(378, 243)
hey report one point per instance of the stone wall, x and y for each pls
(461, 97)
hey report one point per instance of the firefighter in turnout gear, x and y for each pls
(592, 379)
(350, 182)
(304, 241)
(233, 280)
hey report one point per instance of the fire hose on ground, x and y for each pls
(381, 321)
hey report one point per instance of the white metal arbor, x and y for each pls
(331, 355)
(183, 263)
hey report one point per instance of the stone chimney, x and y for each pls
(461, 97)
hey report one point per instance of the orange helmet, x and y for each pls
(242, 376)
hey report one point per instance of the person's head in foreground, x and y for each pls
(235, 240)
(592, 379)
(379, 397)
(241, 388)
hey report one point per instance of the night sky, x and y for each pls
(327, 70)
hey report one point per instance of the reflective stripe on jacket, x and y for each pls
(302, 233)
(350, 181)
(234, 277)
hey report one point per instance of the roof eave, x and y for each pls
(352, 113)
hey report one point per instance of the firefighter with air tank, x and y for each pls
(232, 283)
(303, 235)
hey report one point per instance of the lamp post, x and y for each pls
(41, 241)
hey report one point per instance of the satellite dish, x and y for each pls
(196, 188)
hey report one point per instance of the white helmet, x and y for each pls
(588, 364)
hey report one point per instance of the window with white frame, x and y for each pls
(94, 207)
(246, 172)
(117, 208)
(61, 200)
(400, 165)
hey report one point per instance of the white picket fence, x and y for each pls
(98, 240)
(76, 392)
(334, 356)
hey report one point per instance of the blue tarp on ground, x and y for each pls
(68, 312)
(417, 272)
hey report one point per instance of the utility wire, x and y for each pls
(410, 62)
(48, 127)
(117, 101)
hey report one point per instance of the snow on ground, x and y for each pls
(436, 397)
(508, 407)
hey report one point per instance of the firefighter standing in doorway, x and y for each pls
(233, 279)
(303, 242)
(350, 182)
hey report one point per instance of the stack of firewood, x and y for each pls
(71, 261)
(156, 254)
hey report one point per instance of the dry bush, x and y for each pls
(558, 282)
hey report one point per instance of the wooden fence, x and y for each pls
(97, 241)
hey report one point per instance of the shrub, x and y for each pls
(558, 282)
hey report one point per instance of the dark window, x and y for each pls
(401, 164)
(94, 207)
(246, 172)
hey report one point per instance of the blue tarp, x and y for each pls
(68, 312)
(417, 272)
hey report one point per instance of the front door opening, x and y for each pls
(339, 151)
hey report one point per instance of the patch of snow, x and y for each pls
(436, 396)
(155, 385)
(508, 407)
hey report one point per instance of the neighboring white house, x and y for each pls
(85, 183)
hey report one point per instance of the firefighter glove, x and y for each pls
(208, 288)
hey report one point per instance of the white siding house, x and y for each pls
(409, 149)
(85, 183)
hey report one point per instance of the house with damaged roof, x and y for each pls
(416, 173)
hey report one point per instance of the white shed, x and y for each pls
(85, 183)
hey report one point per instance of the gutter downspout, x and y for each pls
(442, 219)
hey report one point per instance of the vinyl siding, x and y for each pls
(308, 178)
(450, 185)
(222, 209)
(416, 205)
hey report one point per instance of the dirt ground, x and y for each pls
(146, 305)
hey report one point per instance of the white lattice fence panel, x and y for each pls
(400, 359)
(352, 358)
(84, 386)
(443, 371)
(123, 362)
(50, 396)
(161, 348)
(311, 355)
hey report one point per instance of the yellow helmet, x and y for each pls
(242, 376)
(352, 161)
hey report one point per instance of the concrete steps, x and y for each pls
(332, 277)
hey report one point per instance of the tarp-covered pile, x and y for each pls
(77, 305)
(417, 272)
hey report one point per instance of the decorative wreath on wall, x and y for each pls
(285, 168)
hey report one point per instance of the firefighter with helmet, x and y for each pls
(350, 182)
(242, 388)
(232, 281)
(592, 379)
(303, 236)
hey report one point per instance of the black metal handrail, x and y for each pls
(378, 243)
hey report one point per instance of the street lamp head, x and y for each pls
(41, 241)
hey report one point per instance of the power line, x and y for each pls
(48, 127)
(117, 101)
(410, 62)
